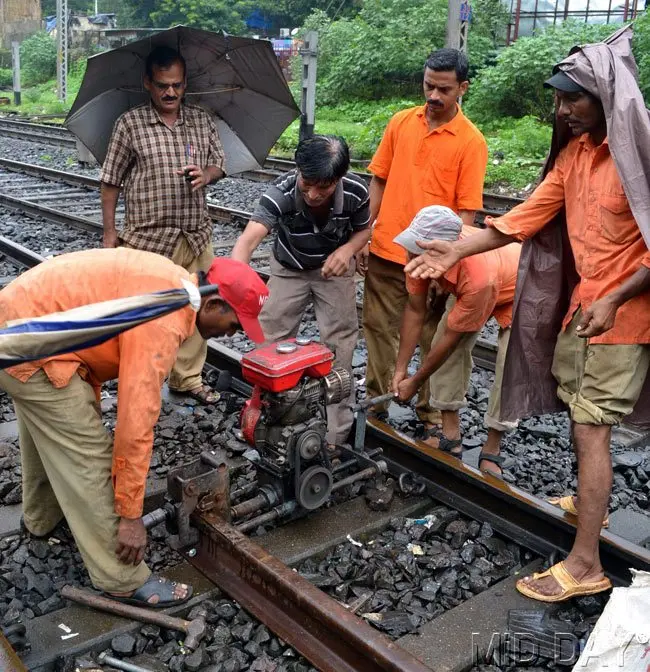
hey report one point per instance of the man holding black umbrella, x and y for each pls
(163, 155)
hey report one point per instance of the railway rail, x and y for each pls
(327, 634)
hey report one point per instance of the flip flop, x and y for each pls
(494, 459)
(570, 587)
(568, 506)
(154, 585)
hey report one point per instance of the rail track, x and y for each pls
(493, 204)
(329, 635)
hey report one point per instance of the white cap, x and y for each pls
(435, 222)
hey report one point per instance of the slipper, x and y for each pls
(205, 395)
(154, 585)
(494, 459)
(568, 506)
(444, 444)
(569, 586)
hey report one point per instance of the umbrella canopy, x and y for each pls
(87, 326)
(238, 79)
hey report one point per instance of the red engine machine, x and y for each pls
(286, 418)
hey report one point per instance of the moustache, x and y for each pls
(169, 99)
(434, 104)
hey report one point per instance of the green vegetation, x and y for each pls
(37, 58)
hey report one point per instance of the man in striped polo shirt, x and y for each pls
(321, 217)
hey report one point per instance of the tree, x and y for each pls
(214, 15)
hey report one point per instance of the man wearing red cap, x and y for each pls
(71, 465)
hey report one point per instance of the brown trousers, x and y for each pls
(335, 305)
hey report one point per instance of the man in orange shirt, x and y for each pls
(480, 287)
(71, 466)
(429, 155)
(602, 351)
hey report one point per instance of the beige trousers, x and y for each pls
(186, 373)
(599, 383)
(66, 455)
(493, 414)
(335, 305)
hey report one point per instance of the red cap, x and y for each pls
(243, 290)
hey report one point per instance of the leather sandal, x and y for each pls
(154, 585)
(570, 587)
(445, 444)
(494, 459)
(568, 506)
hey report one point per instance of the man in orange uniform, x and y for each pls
(582, 310)
(429, 155)
(71, 465)
(478, 288)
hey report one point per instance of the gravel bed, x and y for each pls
(232, 192)
(8, 268)
(43, 237)
(416, 569)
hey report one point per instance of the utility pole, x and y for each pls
(459, 14)
(62, 48)
(15, 63)
(308, 97)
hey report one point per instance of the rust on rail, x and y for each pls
(321, 629)
(9, 660)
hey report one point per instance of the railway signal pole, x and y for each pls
(309, 55)
(15, 58)
(459, 14)
(62, 48)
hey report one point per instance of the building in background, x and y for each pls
(528, 16)
(18, 20)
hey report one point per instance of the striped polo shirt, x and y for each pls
(301, 243)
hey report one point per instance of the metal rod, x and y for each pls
(373, 401)
(245, 490)
(124, 610)
(249, 506)
(274, 514)
(366, 473)
(104, 659)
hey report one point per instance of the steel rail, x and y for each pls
(318, 627)
(9, 660)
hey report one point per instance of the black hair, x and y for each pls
(322, 158)
(162, 57)
(444, 60)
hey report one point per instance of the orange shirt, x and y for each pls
(606, 242)
(445, 166)
(484, 287)
(141, 358)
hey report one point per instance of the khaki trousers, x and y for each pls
(67, 455)
(493, 414)
(600, 383)
(186, 373)
(335, 305)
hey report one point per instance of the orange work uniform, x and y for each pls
(606, 242)
(443, 166)
(484, 287)
(141, 358)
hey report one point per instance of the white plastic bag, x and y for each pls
(621, 639)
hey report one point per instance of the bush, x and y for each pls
(37, 58)
(517, 149)
(641, 46)
(6, 78)
(514, 86)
